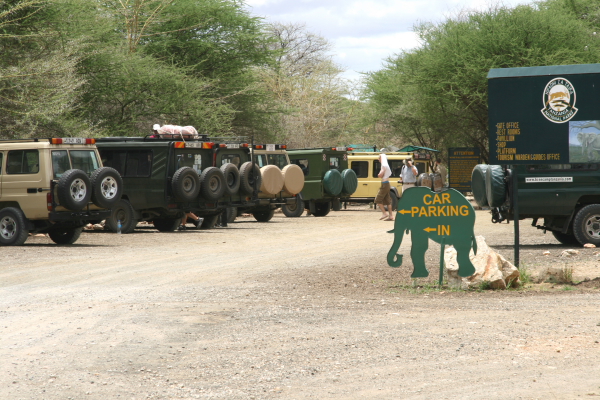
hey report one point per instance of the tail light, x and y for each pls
(180, 145)
(49, 201)
(259, 146)
(208, 145)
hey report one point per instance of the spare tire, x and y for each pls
(74, 189)
(248, 177)
(349, 182)
(495, 188)
(424, 180)
(232, 178)
(436, 182)
(333, 183)
(107, 187)
(185, 184)
(293, 179)
(478, 186)
(212, 183)
(272, 180)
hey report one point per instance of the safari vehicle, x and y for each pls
(327, 179)
(167, 176)
(281, 182)
(366, 165)
(54, 186)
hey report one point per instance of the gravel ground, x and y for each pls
(297, 308)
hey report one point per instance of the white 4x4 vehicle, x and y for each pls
(53, 186)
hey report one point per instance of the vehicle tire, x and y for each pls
(212, 183)
(394, 202)
(264, 215)
(424, 180)
(332, 182)
(349, 182)
(293, 179)
(249, 177)
(436, 182)
(478, 186)
(166, 224)
(65, 236)
(565, 238)
(185, 184)
(122, 211)
(495, 188)
(74, 190)
(13, 226)
(232, 178)
(232, 213)
(293, 210)
(209, 221)
(272, 180)
(322, 209)
(586, 225)
(107, 187)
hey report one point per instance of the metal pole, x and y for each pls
(515, 200)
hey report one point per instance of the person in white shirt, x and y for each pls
(383, 196)
(409, 175)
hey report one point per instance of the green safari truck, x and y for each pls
(327, 178)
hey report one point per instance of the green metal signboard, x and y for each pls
(544, 115)
(446, 217)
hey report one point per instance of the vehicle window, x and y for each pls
(396, 167)
(302, 163)
(128, 163)
(361, 168)
(421, 167)
(60, 163)
(84, 160)
(192, 159)
(23, 162)
(231, 158)
(278, 159)
(334, 163)
(114, 159)
(260, 160)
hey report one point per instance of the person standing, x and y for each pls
(409, 175)
(383, 196)
(441, 169)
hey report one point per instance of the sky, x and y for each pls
(363, 33)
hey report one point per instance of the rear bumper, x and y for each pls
(84, 215)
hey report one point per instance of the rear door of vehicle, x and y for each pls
(23, 182)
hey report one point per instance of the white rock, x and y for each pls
(489, 267)
(569, 253)
(546, 253)
(589, 245)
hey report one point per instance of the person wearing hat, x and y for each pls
(409, 175)
(155, 129)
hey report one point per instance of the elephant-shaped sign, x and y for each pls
(446, 217)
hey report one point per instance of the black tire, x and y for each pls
(478, 186)
(212, 184)
(322, 209)
(232, 213)
(185, 184)
(586, 225)
(13, 227)
(249, 177)
(293, 210)
(209, 221)
(107, 187)
(65, 236)
(232, 178)
(394, 202)
(495, 188)
(565, 238)
(122, 211)
(166, 224)
(263, 215)
(332, 182)
(74, 190)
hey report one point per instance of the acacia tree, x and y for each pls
(437, 94)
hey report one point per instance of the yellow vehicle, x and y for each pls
(366, 165)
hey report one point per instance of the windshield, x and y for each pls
(63, 160)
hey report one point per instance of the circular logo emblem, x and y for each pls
(559, 101)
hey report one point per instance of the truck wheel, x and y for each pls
(495, 188)
(322, 209)
(185, 184)
(232, 213)
(122, 211)
(394, 202)
(209, 221)
(478, 185)
(65, 236)
(107, 186)
(349, 182)
(586, 226)
(264, 215)
(166, 224)
(232, 178)
(249, 177)
(293, 179)
(272, 179)
(424, 180)
(565, 238)
(293, 210)
(13, 231)
(332, 182)
(74, 189)
(212, 183)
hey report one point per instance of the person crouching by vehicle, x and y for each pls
(383, 196)
(408, 175)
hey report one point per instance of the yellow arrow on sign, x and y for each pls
(430, 229)
(404, 212)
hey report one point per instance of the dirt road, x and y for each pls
(303, 308)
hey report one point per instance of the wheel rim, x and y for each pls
(188, 185)
(121, 215)
(214, 184)
(292, 207)
(8, 227)
(109, 188)
(78, 190)
(592, 227)
(230, 179)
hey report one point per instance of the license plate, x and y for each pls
(340, 148)
(73, 140)
(233, 146)
(270, 147)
